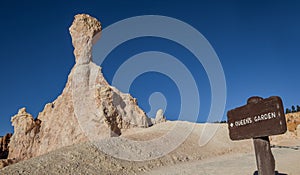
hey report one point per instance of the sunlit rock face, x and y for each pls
(88, 108)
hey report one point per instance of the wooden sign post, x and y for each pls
(259, 119)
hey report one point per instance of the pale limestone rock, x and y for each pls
(88, 108)
(22, 143)
(159, 118)
(83, 30)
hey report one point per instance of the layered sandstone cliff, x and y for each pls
(88, 108)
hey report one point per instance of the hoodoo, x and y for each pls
(88, 108)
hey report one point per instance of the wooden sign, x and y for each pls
(263, 118)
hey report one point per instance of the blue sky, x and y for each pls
(257, 43)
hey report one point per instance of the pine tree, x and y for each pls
(293, 109)
(298, 108)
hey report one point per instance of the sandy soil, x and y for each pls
(287, 162)
(219, 156)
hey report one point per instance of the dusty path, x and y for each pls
(287, 162)
(219, 156)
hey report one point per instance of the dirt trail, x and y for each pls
(219, 156)
(287, 162)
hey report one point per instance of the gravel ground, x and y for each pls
(219, 156)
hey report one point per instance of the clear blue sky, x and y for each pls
(257, 43)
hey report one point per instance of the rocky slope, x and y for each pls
(292, 121)
(88, 108)
(219, 156)
(85, 158)
(293, 131)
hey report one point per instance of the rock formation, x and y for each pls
(292, 121)
(4, 150)
(23, 142)
(88, 108)
(159, 118)
(4, 146)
